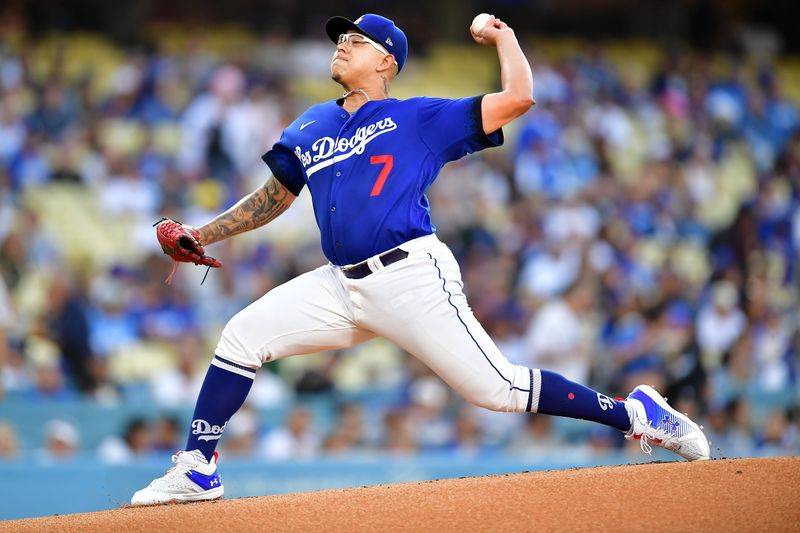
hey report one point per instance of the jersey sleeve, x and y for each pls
(285, 166)
(452, 129)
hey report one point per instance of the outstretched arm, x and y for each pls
(498, 109)
(253, 211)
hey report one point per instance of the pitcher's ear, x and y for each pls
(389, 64)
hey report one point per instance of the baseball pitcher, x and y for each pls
(367, 160)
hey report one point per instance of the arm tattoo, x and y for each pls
(253, 211)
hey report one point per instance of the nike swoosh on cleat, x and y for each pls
(303, 125)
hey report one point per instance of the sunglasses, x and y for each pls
(357, 38)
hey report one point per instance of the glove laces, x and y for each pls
(171, 276)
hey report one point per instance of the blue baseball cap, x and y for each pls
(378, 28)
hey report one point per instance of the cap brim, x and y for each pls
(339, 25)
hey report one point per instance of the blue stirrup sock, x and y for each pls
(224, 390)
(561, 397)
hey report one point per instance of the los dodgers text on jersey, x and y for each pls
(327, 149)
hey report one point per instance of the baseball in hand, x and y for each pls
(479, 22)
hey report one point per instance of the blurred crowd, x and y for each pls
(639, 226)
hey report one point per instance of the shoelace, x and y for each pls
(646, 448)
(180, 466)
(652, 434)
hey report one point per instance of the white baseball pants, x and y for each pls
(417, 302)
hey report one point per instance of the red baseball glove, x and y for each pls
(182, 243)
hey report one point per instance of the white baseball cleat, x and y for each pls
(654, 422)
(191, 479)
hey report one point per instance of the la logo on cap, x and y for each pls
(389, 41)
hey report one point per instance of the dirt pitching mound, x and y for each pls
(740, 494)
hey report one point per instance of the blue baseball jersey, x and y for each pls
(368, 172)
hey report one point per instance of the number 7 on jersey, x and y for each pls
(388, 162)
